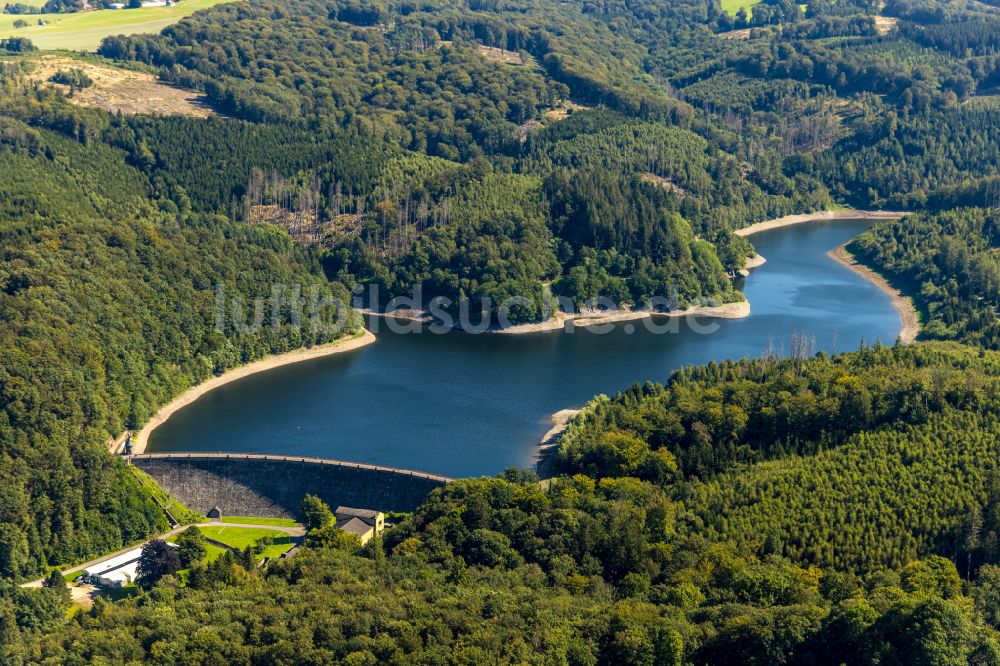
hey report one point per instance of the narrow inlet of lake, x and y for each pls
(469, 405)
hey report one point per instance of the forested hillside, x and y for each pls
(840, 555)
(812, 107)
(826, 461)
(614, 182)
(803, 510)
(949, 263)
(108, 310)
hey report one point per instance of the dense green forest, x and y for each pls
(836, 555)
(813, 107)
(108, 304)
(949, 263)
(826, 461)
(820, 510)
(618, 190)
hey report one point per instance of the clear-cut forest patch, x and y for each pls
(118, 90)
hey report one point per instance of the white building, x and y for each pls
(119, 577)
(117, 571)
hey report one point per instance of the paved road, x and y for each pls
(114, 445)
(87, 565)
(296, 531)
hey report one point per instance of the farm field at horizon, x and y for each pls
(83, 31)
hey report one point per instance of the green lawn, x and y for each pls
(212, 552)
(275, 522)
(85, 30)
(276, 550)
(241, 537)
(731, 7)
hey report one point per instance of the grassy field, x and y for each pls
(276, 522)
(276, 550)
(212, 552)
(731, 7)
(241, 537)
(83, 31)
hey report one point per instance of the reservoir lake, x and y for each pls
(469, 405)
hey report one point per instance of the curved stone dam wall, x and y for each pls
(273, 486)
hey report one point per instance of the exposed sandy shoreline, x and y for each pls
(560, 421)
(820, 216)
(550, 440)
(268, 363)
(903, 305)
(403, 314)
(756, 261)
(561, 319)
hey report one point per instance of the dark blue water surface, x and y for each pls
(462, 405)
